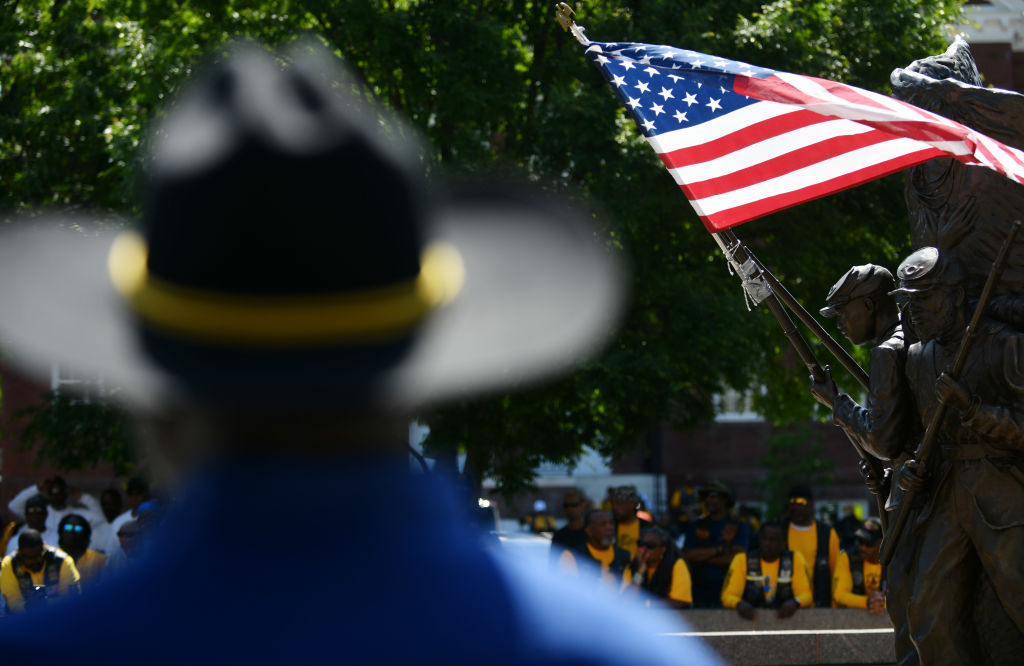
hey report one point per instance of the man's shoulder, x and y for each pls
(590, 624)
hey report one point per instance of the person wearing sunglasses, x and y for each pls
(661, 570)
(36, 511)
(816, 540)
(74, 537)
(571, 536)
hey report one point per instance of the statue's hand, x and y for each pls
(876, 486)
(825, 391)
(746, 610)
(952, 393)
(911, 477)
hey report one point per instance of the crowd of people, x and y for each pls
(716, 557)
(60, 541)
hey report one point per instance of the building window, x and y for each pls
(732, 406)
(83, 387)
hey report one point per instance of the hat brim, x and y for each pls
(907, 290)
(829, 311)
(540, 293)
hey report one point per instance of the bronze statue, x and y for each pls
(885, 426)
(971, 524)
(960, 209)
(963, 212)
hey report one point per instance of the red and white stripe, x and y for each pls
(808, 138)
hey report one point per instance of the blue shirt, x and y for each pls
(381, 568)
(708, 579)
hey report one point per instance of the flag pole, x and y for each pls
(758, 289)
(804, 316)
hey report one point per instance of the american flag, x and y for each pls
(744, 141)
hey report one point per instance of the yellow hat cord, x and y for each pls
(376, 314)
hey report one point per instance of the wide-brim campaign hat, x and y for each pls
(290, 251)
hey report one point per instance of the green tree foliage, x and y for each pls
(496, 85)
(795, 456)
(73, 434)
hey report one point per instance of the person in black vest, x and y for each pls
(36, 574)
(818, 542)
(601, 558)
(571, 535)
(711, 542)
(859, 581)
(661, 570)
(769, 577)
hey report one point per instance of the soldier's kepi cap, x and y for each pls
(926, 268)
(859, 281)
(292, 252)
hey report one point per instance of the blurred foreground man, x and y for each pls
(292, 296)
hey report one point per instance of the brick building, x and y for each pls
(18, 467)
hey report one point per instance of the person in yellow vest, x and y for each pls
(661, 570)
(815, 540)
(10, 528)
(602, 558)
(540, 520)
(771, 576)
(75, 534)
(859, 581)
(628, 524)
(36, 574)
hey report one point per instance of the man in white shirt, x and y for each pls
(36, 518)
(136, 492)
(61, 503)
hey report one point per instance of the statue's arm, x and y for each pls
(881, 424)
(1001, 422)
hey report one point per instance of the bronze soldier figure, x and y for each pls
(885, 425)
(961, 209)
(971, 527)
(866, 314)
